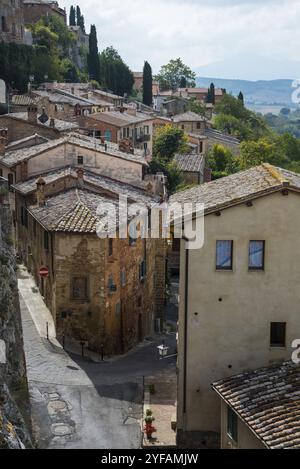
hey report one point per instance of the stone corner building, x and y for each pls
(11, 21)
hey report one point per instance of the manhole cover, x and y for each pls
(61, 429)
(56, 406)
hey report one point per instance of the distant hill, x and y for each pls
(256, 93)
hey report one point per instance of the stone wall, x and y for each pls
(18, 129)
(14, 402)
(11, 21)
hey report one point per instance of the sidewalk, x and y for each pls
(163, 405)
(39, 312)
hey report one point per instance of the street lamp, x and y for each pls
(163, 350)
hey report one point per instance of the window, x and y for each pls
(277, 334)
(3, 24)
(224, 255)
(142, 271)
(79, 159)
(24, 217)
(10, 178)
(132, 241)
(46, 241)
(201, 147)
(232, 424)
(198, 125)
(80, 288)
(1, 172)
(110, 247)
(256, 255)
(182, 127)
(107, 135)
(123, 277)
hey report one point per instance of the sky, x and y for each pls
(239, 39)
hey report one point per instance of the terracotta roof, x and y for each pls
(107, 94)
(76, 211)
(239, 187)
(22, 100)
(120, 119)
(15, 156)
(190, 163)
(59, 125)
(188, 117)
(218, 91)
(90, 179)
(65, 97)
(268, 401)
(223, 138)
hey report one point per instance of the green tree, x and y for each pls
(254, 153)
(211, 98)
(147, 84)
(72, 16)
(171, 75)
(221, 161)
(80, 19)
(241, 97)
(183, 83)
(197, 107)
(115, 74)
(93, 56)
(168, 141)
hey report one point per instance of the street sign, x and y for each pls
(44, 272)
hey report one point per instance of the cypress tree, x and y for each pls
(183, 82)
(78, 15)
(72, 17)
(147, 84)
(93, 57)
(241, 97)
(212, 93)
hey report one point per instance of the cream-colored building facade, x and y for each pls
(225, 315)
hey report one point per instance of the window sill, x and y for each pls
(223, 270)
(277, 347)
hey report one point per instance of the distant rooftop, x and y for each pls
(188, 116)
(11, 158)
(91, 179)
(120, 119)
(190, 162)
(60, 125)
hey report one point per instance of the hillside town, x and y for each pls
(148, 251)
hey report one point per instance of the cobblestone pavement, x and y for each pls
(80, 404)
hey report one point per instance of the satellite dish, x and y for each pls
(2, 92)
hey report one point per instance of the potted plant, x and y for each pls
(149, 429)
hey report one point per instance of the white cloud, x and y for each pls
(199, 31)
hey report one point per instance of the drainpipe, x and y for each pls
(186, 290)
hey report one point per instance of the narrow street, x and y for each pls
(80, 404)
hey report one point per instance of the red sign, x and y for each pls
(44, 272)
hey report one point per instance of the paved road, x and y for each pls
(80, 404)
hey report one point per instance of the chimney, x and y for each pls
(52, 123)
(32, 114)
(40, 191)
(80, 173)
